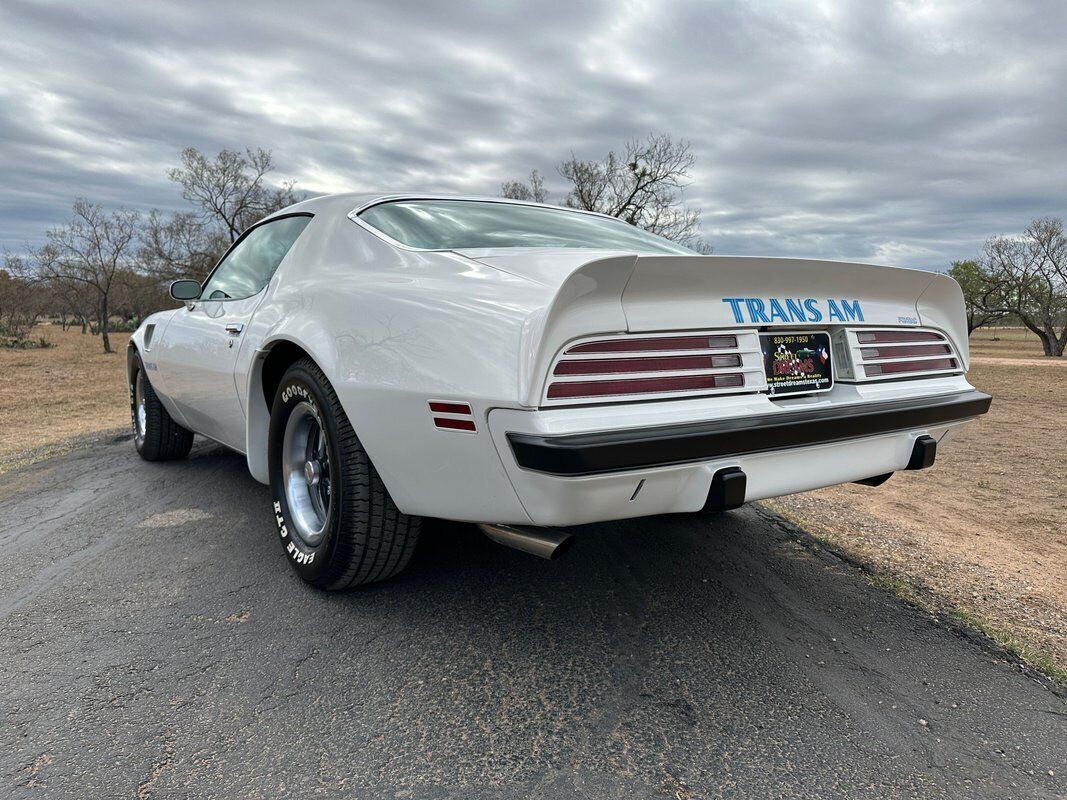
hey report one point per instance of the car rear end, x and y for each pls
(659, 384)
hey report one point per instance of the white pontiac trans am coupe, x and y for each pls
(379, 359)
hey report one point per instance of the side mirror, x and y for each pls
(185, 290)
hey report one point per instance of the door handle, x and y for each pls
(234, 328)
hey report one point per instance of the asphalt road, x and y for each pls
(154, 643)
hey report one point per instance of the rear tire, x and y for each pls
(336, 521)
(156, 435)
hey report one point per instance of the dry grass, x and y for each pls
(52, 395)
(1005, 343)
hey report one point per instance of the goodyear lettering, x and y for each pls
(767, 311)
(296, 390)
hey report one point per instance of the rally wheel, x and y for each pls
(335, 519)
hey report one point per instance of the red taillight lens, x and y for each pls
(898, 367)
(658, 344)
(558, 390)
(454, 424)
(888, 337)
(906, 350)
(607, 366)
(450, 408)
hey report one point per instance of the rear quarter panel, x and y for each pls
(392, 330)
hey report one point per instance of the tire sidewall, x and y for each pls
(312, 563)
(137, 367)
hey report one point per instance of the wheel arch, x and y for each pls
(268, 369)
(131, 353)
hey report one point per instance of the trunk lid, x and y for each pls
(609, 292)
(671, 292)
(715, 291)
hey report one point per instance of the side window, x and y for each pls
(250, 265)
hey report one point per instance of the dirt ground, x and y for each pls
(49, 396)
(982, 535)
(1008, 343)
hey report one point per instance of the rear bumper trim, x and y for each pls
(641, 448)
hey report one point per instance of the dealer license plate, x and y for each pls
(797, 362)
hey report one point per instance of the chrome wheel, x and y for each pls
(306, 473)
(140, 415)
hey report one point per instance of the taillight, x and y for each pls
(899, 367)
(658, 344)
(893, 353)
(906, 350)
(644, 386)
(896, 337)
(628, 367)
(608, 366)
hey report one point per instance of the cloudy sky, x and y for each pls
(897, 132)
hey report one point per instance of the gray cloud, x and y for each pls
(903, 132)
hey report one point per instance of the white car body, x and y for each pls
(395, 328)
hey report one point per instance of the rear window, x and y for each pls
(471, 224)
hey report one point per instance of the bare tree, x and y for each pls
(229, 193)
(532, 189)
(1029, 278)
(231, 190)
(88, 252)
(22, 303)
(642, 186)
(700, 245)
(70, 299)
(180, 245)
(979, 290)
(138, 295)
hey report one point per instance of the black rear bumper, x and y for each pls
(614, 451)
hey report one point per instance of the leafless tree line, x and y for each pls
(1022, 277)
(103, 264)
(642, 186)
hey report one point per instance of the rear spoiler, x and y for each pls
(627, 293)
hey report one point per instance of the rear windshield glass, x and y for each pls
(469, 224)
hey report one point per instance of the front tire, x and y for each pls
(156, 435)
(336, 521)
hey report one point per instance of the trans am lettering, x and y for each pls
(767, 311)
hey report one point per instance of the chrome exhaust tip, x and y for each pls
(540, 542)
